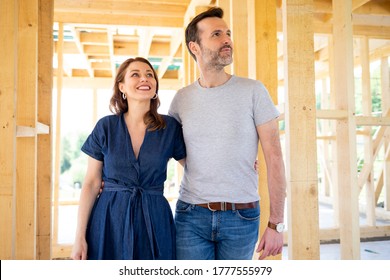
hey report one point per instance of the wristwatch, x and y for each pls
(278, 227)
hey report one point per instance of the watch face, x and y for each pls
(279, 227)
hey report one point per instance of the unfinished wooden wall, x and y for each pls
(25, 157)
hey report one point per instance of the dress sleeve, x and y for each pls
(94, 144)
(179, 149)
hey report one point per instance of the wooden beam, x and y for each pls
(239, 27)
(300, 118)
(8, 87)
(26, 147)
(96, 38)
(373, 8)
(358, 7)
(110, 38)
(331, 114)
(358, 3)
(225, 5)
(191, 9)
(346, 130)
(57, 136)
(176, 41)
(368, 141)
(145, 42)
(372, 121)
(262, 24)
(80, 47)
(115, 19)
(120, 7)
(377, 32)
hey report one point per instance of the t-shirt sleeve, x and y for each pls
(179, 149)
(94, 144)
(174, 108)
(264, 108)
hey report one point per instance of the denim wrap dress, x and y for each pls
(131, 219)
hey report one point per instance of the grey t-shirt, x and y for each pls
(219, 126)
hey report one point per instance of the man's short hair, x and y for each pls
(192, 34)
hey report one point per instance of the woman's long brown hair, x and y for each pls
(118, 105)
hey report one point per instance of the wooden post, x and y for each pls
(368, 145)
(300, 117)
(327, 174)
(264, 46)
(225, 6)
(8, 86)
(26, 116)
(346, 130)
(239, 28)
(57, 137)
(335, 197)
(385, 86)
(45, 87)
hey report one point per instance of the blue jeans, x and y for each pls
(202, 234)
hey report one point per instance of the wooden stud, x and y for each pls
(26, 147)
(300, 117)
(225, 6)
(335, 197)
(58, 133)
(368, 145)
(239, 28)
(8, 86)
(346, 131)
(385, 88)
(44, 157)
(264, 47)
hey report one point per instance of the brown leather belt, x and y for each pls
(224, 206)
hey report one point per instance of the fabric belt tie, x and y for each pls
(225, 206)
(138, 191)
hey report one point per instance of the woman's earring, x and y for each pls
(155, 96)
(123, 95)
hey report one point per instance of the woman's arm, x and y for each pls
(89, 192)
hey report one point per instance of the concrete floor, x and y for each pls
(369, 250)
(372, 250)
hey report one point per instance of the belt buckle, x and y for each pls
(211, 209)
(223, 206)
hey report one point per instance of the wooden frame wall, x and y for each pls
(26, 190)
(25, 121)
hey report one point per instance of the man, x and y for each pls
(223, 118)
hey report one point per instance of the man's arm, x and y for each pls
(270, 143)
(272, 241)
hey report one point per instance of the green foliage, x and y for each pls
(77, 170)
(66, 154)
(73, 162)
(376, 98)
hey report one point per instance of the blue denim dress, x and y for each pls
(131, 219)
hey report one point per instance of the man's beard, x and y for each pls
(214, 58)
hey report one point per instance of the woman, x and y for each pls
(129, 151)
